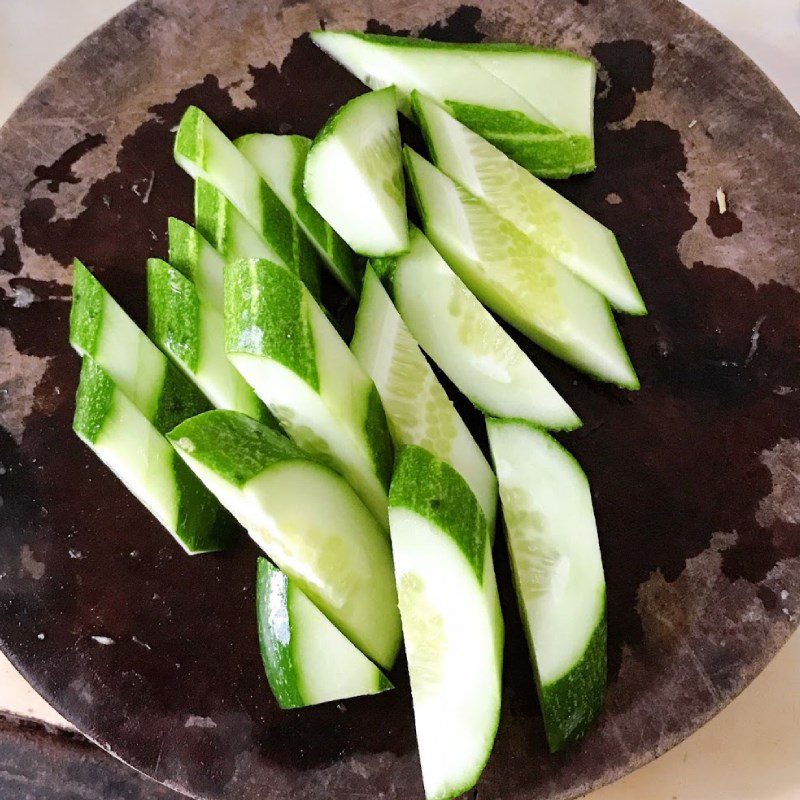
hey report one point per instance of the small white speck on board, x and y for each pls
(199, 722)
(722, 201)
(104, 640)
(693, 123)
(784, 594)
(40, 637)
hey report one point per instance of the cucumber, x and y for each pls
(466, 342)
(286, 348)
(518, 279)
(307, 659)
(568, 234)
(354, 175)
(281, 162)
(417, 407)
(99, 328)
(192, 334)
(195, 258)
(305, 517)
(451, 619)
(134, 450)
(203, 151)
(226, 230)
(544, 124)
(558, 573)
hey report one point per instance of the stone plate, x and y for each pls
(695, 477)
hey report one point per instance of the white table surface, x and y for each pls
(751, 751)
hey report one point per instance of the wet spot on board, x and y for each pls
(60, 171)
(722, 225)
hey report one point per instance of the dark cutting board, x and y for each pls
(694, 477)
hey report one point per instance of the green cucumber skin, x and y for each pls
(184, 246)
(564, 702)
(178, 397)
(272, 600)
(212, 217)
(266, 315)
(202, 525)
(234, 446)
(433, 489)
(345, 265)
(276, 225)
(173, 311)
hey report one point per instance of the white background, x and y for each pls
(751, 751)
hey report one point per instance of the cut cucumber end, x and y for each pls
(359, 149)
(306, 658)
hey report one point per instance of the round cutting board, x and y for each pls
(695, 477)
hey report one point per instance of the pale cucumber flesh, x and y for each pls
(518, 279)
(566, 232)
(354, 175)
(468, 344)
(417, 408)
(558, 571)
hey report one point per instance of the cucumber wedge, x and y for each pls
(568, 234)
(99, 328)
(225, 229)
(195, 258)
(281, 162)
(558, 573)
(192, 334)
(131, 447)
(417, 407)
(466, 342)
(518, 279)
(308, 660)
(545, 124)
(286, 348)
(305, 517)
(451, 618)
(354, 175)
(203, 151)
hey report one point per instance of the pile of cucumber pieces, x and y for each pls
(349, 466)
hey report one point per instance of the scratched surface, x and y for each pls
(694, 477)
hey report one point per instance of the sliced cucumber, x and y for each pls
(281, 162)
(228, 232)
(131, 447)
(203, 150)
(451, 619)
(99, 328)
(192, 334)
(286, 348)
(354, 175)
(417, 407)
(466, 342)
(306, 518)
(518, 279)
(195, 258)
(308, 660)
(558, 573)
(525, 120)
(568, 234)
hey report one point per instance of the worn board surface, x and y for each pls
(695, 477)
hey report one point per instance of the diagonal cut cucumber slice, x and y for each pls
(558, 573)
(281, 162)
(134, 450)
(417, 407)
(354, 175)
(286, 348)
(203, 151)
(543, 122)
(451, 619)
(518, 279)
(99, 328)
(466, 342)
(306, 518)
(308, 660)
(566, 232)
(194, 257)
(192, 334)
